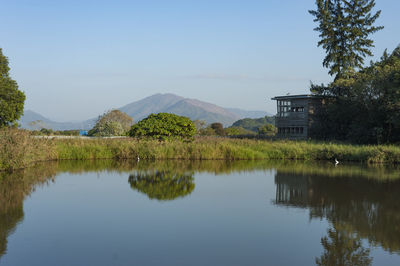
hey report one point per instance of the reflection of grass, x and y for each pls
(378, 172)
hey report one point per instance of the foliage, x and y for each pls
(163, 126)
(207, 131)
(369, 109)
(344, 28)
(254, 124)
(199, 124)
(267, 130)
(50, 132)
(163, 185)
(112, 123)
(207, 148)
(18, 149)
(218, 128)
(237, 131)
(11, 99)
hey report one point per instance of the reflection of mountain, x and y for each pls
(13, 190)
(162, 185)
(369, 207)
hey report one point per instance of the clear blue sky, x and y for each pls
(76, 59)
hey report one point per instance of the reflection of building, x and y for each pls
(290, 191)
(368, 207)
(296, 114)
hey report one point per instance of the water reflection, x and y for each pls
(360, 202)
(162, 185)
(14, 188)
(343, 247)
(356, 207)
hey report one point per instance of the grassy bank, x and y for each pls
(207, 148)
(19, 150)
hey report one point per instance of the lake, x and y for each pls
(200, 213)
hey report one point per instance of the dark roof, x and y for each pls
(299, 96)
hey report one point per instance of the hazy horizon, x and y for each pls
(78, 59)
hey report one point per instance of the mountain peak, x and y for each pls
(158, 103)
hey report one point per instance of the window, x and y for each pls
(298, 109)
(283, 108)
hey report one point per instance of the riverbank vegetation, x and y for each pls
(20, 150)
(362, 104)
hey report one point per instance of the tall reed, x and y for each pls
(18, 149)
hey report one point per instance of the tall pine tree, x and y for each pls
(344, 27)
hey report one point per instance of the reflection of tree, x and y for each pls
(368, 207)
(342, 247)
(162, 185)
(13, 190)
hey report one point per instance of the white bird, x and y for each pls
(138, 158)
(336, 162)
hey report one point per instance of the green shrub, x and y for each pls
(164, 126)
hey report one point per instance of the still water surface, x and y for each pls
(200, 213)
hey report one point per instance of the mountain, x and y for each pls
(171, 103)
(40, 121)
(248, 114)
(158, 103)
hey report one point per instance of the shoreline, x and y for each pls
(21, 150)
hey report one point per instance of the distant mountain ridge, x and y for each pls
(158, 103)
(43, 122)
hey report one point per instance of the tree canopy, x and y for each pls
(11, 98)
(112, 123)
(163, 126)
(369, 109)
(254, 124)
(344, 27)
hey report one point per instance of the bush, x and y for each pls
(18, 149)
(218, 128)
(267, 130)
(163, 126)
(235, 131)
(112, 123)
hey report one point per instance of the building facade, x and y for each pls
(296, 114)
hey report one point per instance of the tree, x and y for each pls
(369, 109)
(218, 128)
(163, 126)
(254, 124)
(112, 123)
(11, 99)
(344, 27)
(267, 130)
(236, 131)
(199, 124)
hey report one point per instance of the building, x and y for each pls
(296, 114)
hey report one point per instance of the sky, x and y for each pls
(76, 59)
